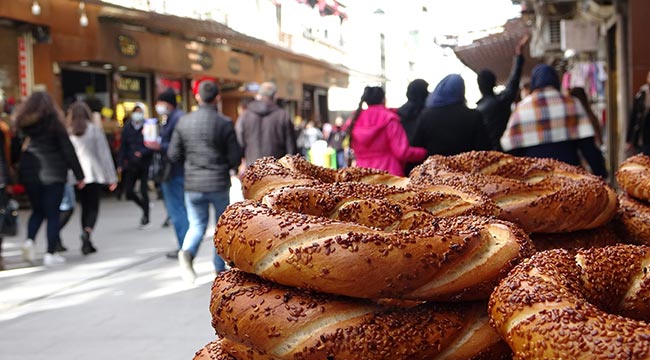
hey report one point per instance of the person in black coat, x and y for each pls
(46, 156)
(496, 108)
(416, 94)
(206, 143)
(133, 163)
(447, 126)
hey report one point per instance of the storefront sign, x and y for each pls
(22, 67)
(130, 87)
(205, 60)
(234, 65)
(127, 45)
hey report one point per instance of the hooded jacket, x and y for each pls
(265, 129)
(447, 126)
(379, 141)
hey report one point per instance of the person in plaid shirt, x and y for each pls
(548, 124)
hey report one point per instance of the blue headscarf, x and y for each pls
(543, 76)
(450, 90)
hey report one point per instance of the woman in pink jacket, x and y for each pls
(377, 136)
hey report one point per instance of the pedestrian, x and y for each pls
(4, 176)
(638, 130)
(447, 126)
(548, 124)
(206, 142)
(377, 136)
(580, 94)
(46, 156)
(173, 176)
(265, 129)
(94, 154)
(496, 108)
(133, 162)
(416, 94)
(336, 141)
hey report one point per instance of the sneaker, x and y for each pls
(144, 222)
(53, 259)
(61, 248)
(166, 223)
(185, 262)
(29, 253)
(172, 254)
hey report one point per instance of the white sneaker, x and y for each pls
(29, 253)
(53, 259)
(185, 262)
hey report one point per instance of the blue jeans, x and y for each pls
(173, 195)
(45, 201)
(198, 214)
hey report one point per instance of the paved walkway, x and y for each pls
(127, 301)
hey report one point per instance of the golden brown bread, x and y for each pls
(542, 195)
(267, 174)
(633, 220)
(214, 351)
(592, 305)
(342, 200)
(633, 176)
(459, 258)
(287, 323)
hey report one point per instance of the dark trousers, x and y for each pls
(130, 176)
(89, 199)
(45, 200)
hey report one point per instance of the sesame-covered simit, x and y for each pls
(594, 304)
(542, 195)
(458, 258)
(287, 323)
(633, 176)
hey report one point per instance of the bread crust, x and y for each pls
(633, 176)
(459, 258)
(288, 323)
(633, 220)
(542, 195)
(594, 304)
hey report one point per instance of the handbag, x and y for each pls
(9, 218)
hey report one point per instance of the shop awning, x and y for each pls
(495, 52)
(210, 30)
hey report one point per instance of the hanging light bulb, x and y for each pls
(83, 19)
(36, 8)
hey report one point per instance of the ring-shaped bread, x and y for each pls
(458, 258)
(594, 304)
(633, 220)
(278, 322)
(542, 195)
(633, 176)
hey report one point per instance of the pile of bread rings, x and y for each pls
(359, 264)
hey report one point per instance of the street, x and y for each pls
(127, 301)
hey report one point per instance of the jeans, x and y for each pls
(173, 195)
(198, 214)
(89, 198)
(45, 201)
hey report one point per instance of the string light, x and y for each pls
(83, 19)
(36, 8)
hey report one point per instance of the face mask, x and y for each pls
(162, 110)
(137, 119)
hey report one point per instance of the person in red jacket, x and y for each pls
(377, 136)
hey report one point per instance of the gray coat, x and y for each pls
(265, 129)
(206, 143)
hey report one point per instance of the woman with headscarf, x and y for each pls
(377, 137)
(547, 124)
(447, 126)
(416, 94)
